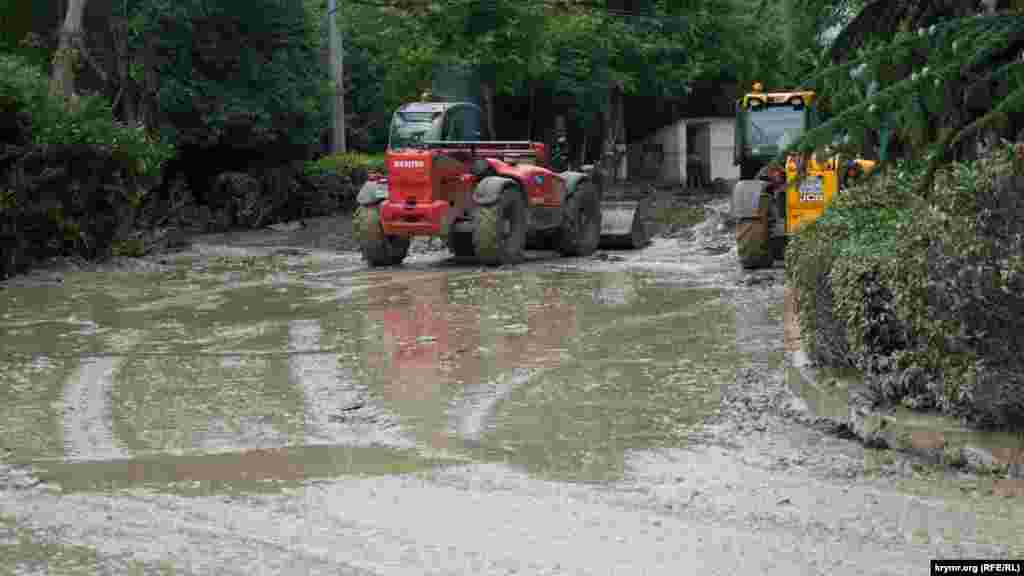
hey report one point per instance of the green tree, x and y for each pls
(243, 74)
(945, 76)
(18, 21)
(569, 47)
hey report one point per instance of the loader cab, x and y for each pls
(768, 122)
(417, 123)
(463, 123)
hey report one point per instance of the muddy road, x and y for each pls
(261, 403)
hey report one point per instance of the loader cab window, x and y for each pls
(411, 128)
(770, 129)
(462, 124)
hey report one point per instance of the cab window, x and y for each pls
(462, 124)
(452, 125)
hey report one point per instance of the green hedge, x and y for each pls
(926, 296)
(350, 164)
(71, 177)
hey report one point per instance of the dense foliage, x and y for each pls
(939, 82)
(915, 275)
(72, 176)
(16, 30)
(565, 50)
(231, 73)
(927, 297)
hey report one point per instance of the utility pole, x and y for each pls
(337, 71)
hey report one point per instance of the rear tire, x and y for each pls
(541, 240)
(461, 245)
(581, 231)
(753, 238)
(500, 232)
(378, 249)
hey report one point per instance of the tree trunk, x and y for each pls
(62, 79)
(621, 162)
(487, 96)
(612, 132)
(529, 118)
(125, 103)
(338, 73)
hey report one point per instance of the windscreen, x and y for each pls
(769, 129)
(409, 129)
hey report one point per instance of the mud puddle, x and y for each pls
(229, 369)
(250, 407)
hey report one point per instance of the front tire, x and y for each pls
(500, 233)
(753, 238)
(378, 249)
(581, 231)
(779, 247)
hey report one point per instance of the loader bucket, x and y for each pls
(626, 223)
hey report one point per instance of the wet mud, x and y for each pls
(264, 402)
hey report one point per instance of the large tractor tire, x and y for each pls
(779, 247)
(751, 206)
(542, 240)
(500, 232)
(378, 249)
(536, 241)
(461, 245)
(581, 229)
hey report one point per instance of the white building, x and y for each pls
(663, 155)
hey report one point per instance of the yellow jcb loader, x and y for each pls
(770, 204)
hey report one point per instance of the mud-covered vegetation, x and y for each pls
(144, 117)
(72, 177)
(925, 296)
(914, 275)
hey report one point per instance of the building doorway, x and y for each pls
(698, 154)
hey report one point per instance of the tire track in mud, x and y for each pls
(478, 403)
(88, 418)
(338, 410)
(676, 512)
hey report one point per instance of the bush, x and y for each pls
(72, 177)
(926, 295)
(830, 258)
(351, 165)
(332, 182)
(24, 93)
